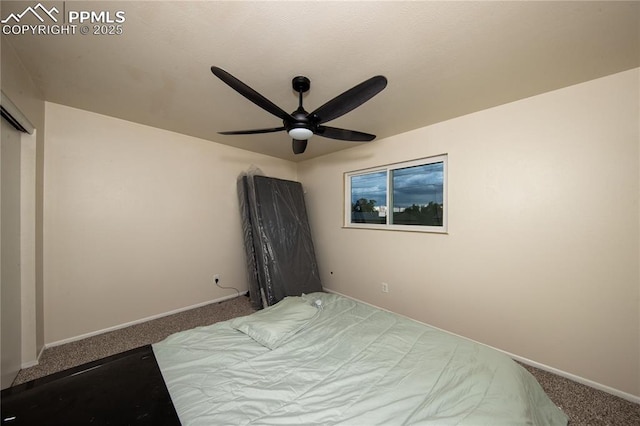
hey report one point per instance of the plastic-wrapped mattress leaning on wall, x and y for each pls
(282, 248)
(247, 237)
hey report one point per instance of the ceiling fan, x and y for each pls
(300, 124)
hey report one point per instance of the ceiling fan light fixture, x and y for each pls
(300, 133)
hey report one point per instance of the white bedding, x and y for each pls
(348, 364)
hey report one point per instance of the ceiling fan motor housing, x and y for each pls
(300, 121)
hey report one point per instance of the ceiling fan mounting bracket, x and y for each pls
(301, 84)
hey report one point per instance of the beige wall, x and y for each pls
(20, 89)
(137, 220)
(542, 257)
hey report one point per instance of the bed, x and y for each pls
(324, 359)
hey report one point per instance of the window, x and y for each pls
(410, 196)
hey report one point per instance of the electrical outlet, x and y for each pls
(385, 287)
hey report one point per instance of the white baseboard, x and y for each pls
(139, 321)
(570, 376)
(575, 378)
(29, 364)
(34, 362)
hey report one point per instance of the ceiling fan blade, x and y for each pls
(252, 132)
(350, 99)
(249, 93)
(344, 134)
(298, 146)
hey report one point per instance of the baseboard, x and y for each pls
(575, 378)
(561, 373)
(139, 321)
(33, 363)
(28, 364)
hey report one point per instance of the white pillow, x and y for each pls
(274, 325)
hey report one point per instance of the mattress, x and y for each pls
(329, 360)
(248, 241)
(283, 250)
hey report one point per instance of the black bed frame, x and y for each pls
(123, 389)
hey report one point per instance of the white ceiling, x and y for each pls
(442, 60)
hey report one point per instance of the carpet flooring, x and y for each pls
(583, 404)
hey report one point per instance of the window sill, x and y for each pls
(401, 228)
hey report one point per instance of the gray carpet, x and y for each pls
(583, 405)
